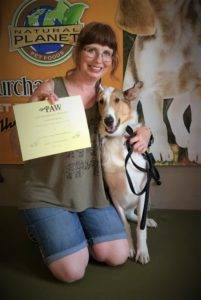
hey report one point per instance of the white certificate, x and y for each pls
(46, 129)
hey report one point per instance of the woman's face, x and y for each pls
(95, 60)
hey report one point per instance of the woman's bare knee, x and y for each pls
(112, 253)
(72, 267)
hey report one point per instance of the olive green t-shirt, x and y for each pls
(73, 179)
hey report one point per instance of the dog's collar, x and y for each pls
(133, 125)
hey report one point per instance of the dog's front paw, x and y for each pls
(142, 256)
(151, 223)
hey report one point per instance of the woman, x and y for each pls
(65, 205)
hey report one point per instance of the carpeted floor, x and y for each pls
(173, 273)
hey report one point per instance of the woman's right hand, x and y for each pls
(45, 91)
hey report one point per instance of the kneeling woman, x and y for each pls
(65, 206)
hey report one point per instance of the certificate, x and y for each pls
(46, 129)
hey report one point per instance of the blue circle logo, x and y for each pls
(44, 32)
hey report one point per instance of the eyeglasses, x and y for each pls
(93, 52)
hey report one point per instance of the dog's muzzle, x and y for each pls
(109, 121)
(109, 124)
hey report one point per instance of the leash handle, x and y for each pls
(131, 134)
(153, 170)
(130, 131)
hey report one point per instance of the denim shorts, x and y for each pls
(59, 232)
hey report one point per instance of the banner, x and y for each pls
(37, 38)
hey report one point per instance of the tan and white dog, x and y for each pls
(166, 56)
(116, 111)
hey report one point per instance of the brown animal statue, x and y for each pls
(166, 57)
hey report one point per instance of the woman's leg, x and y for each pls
(71, 267)
(112, 253)
(106, 235)
(61, 240)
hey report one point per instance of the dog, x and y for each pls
(166, 57)
(116, 112)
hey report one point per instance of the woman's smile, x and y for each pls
(96, 60)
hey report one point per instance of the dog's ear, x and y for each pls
(136, 17)
(100, 88)
(132, 93)
(100, 91)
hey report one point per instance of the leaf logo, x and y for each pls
(44, 32)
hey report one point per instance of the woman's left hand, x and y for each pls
(141, 140)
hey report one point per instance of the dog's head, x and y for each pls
(136, 16)
(116, 109)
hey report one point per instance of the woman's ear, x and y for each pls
(133, 93)
(136, 17)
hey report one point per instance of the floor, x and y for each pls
(174, 271)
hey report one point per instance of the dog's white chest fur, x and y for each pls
(112, 154)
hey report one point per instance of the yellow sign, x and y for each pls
(45, 129)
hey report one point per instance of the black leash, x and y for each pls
(150, 170)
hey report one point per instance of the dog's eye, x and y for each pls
(101, 101)
(117, 100)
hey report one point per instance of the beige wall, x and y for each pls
(180, 189)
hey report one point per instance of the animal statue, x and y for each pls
(166, 57)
